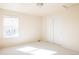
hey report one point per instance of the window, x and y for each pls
(10, 27)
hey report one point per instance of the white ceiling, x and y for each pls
(33, 9)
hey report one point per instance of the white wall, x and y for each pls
(30, 28)
(65, 28)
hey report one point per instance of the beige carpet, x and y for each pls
(38, 48)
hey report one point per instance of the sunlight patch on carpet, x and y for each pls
(36, 51)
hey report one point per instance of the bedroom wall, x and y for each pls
(65, 28)
(29, 28)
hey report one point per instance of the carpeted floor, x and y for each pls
(38, 48)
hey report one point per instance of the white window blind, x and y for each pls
(10, 27)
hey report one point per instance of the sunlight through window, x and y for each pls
(36, 51)
(43, 52)
(27, 49)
